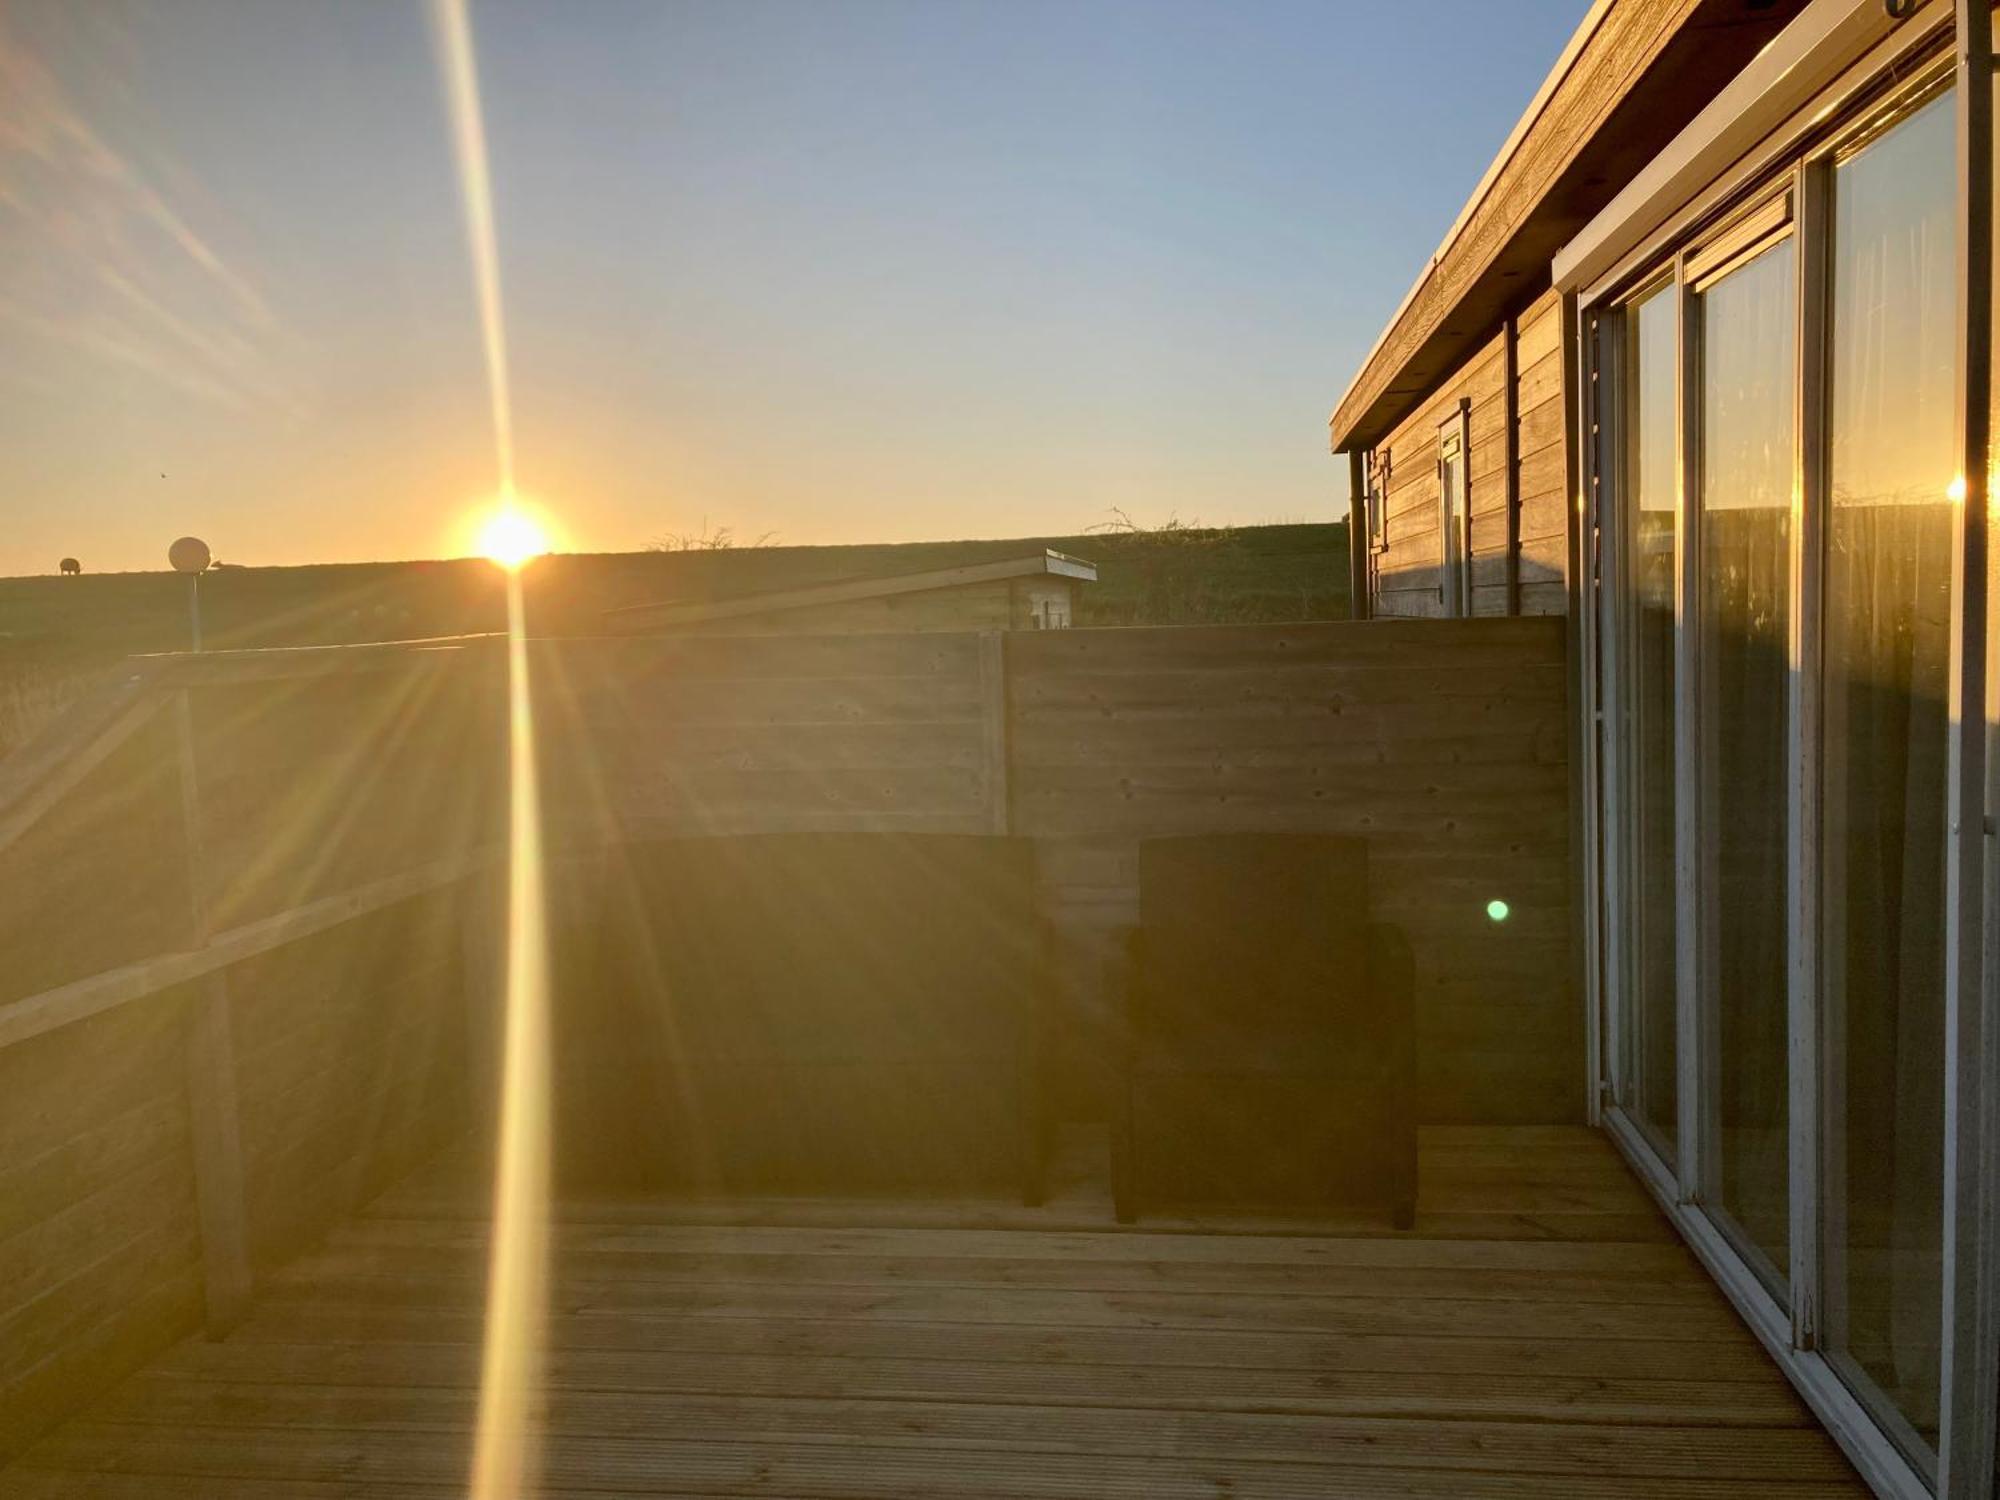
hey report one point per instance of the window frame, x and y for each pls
(1612, 377)
(1379, 470)
(1454, 445)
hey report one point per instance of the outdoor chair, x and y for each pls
(824, 1013)
(1270, 1035)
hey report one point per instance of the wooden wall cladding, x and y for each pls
(1517, 479)
(749, 734)
(1407, 573)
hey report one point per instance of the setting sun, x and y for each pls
(512, 538)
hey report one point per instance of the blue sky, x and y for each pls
(843, 271)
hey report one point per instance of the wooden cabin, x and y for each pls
(1704, 369)
(1037, 592)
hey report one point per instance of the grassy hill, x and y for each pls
(59, 635)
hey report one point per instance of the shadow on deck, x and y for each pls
(1541, 1332)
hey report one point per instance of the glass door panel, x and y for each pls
(1886, 647)
(1651, 352)
(1748, 369)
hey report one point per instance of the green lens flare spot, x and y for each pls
(1498, 910)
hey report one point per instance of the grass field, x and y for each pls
(59, 636)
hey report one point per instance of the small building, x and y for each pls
(1706, 366)
(1036, 592)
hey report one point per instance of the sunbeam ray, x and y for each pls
(468, 130)
(505, 1459)
(505, 1454)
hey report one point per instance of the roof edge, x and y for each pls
(1587, 28)
(1046, 562)
(1813, 49)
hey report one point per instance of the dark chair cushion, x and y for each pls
(825, 1012)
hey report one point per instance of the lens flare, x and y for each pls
(453, 31)
(506, 1451)
(512, 538)
(1498, 911)
(506, 1448)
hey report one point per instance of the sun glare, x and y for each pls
(512, 538)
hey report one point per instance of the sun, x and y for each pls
(512, 538)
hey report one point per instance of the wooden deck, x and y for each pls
(1540, 1333)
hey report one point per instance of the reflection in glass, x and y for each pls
(1748, 370)
(1649, 508)
(1886, 645)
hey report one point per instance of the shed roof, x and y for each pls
(672, 612)
(1632, 75)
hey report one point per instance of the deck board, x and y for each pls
(1539, 1333)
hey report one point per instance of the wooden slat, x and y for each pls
(637, 1464)
(1430, 1395)
(1355, 1317)
(51, 1009)
(582, 1269)
(276, 663)
(1654, 1263)
(1340, 1444)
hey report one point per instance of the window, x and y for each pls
(1647, 525)
(1378, 501)
(1885, 738)
(1454, 522)
(1747, 368)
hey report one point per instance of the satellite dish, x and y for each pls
(188, 555)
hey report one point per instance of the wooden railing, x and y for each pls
(35, 780)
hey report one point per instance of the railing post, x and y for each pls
(213, 1127)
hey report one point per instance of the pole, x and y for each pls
(194, 609)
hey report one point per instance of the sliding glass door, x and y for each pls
(1778, 405)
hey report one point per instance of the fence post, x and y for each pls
(994, 726)
(214, 1128)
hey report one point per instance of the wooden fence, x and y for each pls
(1441, 742)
